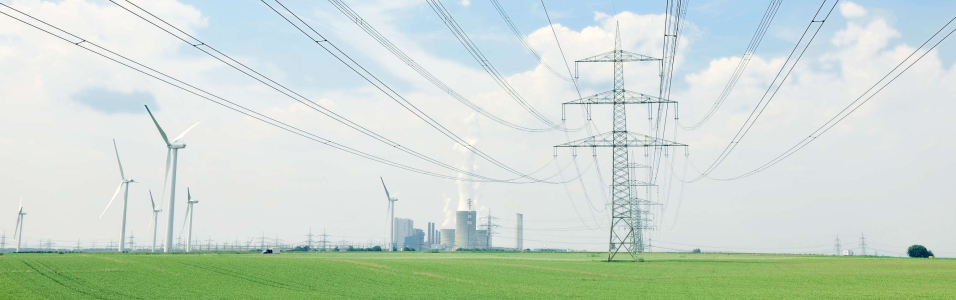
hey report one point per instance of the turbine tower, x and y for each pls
(172, 151)
(18, 231)
(624, 228)
(390, 227)
(153, 225)
(124, 184)
(189, 217)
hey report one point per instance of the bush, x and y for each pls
(377, 248)
(919, 251)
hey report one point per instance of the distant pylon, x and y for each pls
(839, 250)
(862, 245)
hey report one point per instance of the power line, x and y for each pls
(200, 45)
(381, 39)
(853, 106)
(381, 86)
(132, 64)
(774, 87)
(742, 64)
(473, 50)
(524, 41)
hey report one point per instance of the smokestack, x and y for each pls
(519, 233)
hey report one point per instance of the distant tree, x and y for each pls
(696, 250)
(350, 248)
(919, 251)
(376, 248)
(336, 249)
(394, 248)
(408, 249)
(301, 248)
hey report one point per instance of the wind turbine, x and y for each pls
(19, 228)
(124, 184)
(189, 216)
(173, 149)
(391, 216)
(155, 219)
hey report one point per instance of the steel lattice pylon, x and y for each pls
(626, 222)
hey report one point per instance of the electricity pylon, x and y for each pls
(862, 245)
(623, 226)
(839, 250)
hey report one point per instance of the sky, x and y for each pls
(881, 173)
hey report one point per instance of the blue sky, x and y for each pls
(725, 27)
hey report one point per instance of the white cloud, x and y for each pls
(465, 3)
(852, 10)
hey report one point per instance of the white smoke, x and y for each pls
(466, 189)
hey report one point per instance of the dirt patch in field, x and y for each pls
(363, 263)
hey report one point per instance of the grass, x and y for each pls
(469, 276)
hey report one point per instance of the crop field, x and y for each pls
(376, 275)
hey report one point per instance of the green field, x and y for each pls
(359, 275)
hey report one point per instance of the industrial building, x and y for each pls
(481, 239)
(401, 228)
(519, 233)
(415, 241)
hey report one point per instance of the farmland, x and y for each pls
(339, 275)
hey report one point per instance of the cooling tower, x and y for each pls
(448, 239)
(465, 225)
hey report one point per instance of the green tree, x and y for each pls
(919, 251)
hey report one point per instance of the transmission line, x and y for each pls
(132, 64)
(774, 87)
(473, 50)
(200, 45)
(524, 41)
(378, 37)
(387, 90)
(875, 89)
(768, 17)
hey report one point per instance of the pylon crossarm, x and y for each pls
(630, 97)
(633, 140)
(625, 56)
(633, 182)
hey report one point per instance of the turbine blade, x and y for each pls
(150, 226)
(189, 196)
(111, 199)
(386, 189)
(161, 132)
(181, 135)
(17, 229)
(122, 175)
(151, 199)
(165, 178)
(186, 219)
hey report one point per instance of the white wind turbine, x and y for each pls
(173, 149)
(124, 184)
(189, 217)
(155, 220)
(18, 231)
(391, 216)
